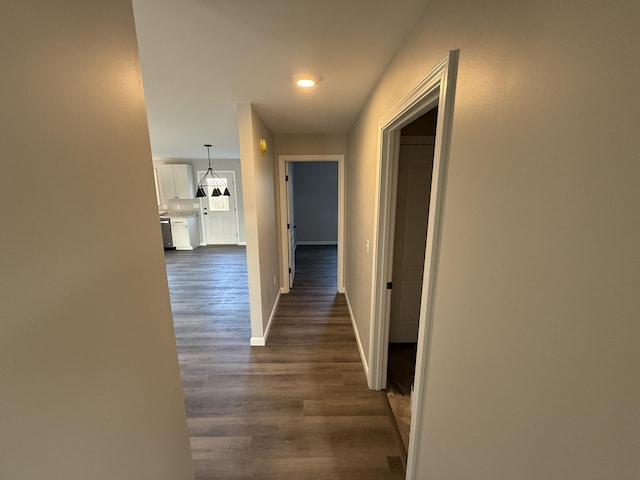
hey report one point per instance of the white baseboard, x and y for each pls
(317, 242)
(262, 341)
(274, 310)
(363, 358)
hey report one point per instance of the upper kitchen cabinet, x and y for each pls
(176, 181)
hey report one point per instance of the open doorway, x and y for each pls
(415, 168)
(436, 89)
(316, 176)
(312, 213)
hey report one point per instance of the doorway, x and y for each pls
(312, 209)
(437, 89)
(219, 215)
(415, 168)
(289, 237)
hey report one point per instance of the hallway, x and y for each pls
(297, 408)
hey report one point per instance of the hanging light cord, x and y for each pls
(209, 170)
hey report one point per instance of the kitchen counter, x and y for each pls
(183, 214)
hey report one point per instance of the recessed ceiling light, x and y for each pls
(306, 80)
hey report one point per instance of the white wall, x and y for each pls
(315, 201)
(311, 144)
(534, 362)
(89, 380)
(260, 220)
(202, 165)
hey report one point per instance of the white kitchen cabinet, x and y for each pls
(176, 181)
(184, 231)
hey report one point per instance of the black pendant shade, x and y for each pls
(200, 192)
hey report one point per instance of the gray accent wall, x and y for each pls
(315, 202)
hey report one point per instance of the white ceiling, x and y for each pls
(200, 58)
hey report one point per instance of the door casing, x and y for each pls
(435, 89)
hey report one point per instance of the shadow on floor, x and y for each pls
(400, 374)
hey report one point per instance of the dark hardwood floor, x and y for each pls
(297, 408)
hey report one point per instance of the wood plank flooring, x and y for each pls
(297, 408)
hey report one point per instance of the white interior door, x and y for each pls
(291, 227)
(219, 216)
(412, 212)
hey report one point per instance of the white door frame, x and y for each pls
(204, 241)
(436, 89)
(284, 237)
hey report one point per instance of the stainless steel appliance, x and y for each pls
(167, 238)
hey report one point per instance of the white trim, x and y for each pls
(437, 88)
(242, 243)
(363, 357)
(262, 341)
(316, 242)
(284, 246)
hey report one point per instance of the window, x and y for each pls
(221, 203)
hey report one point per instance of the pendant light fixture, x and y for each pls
(200, 192)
